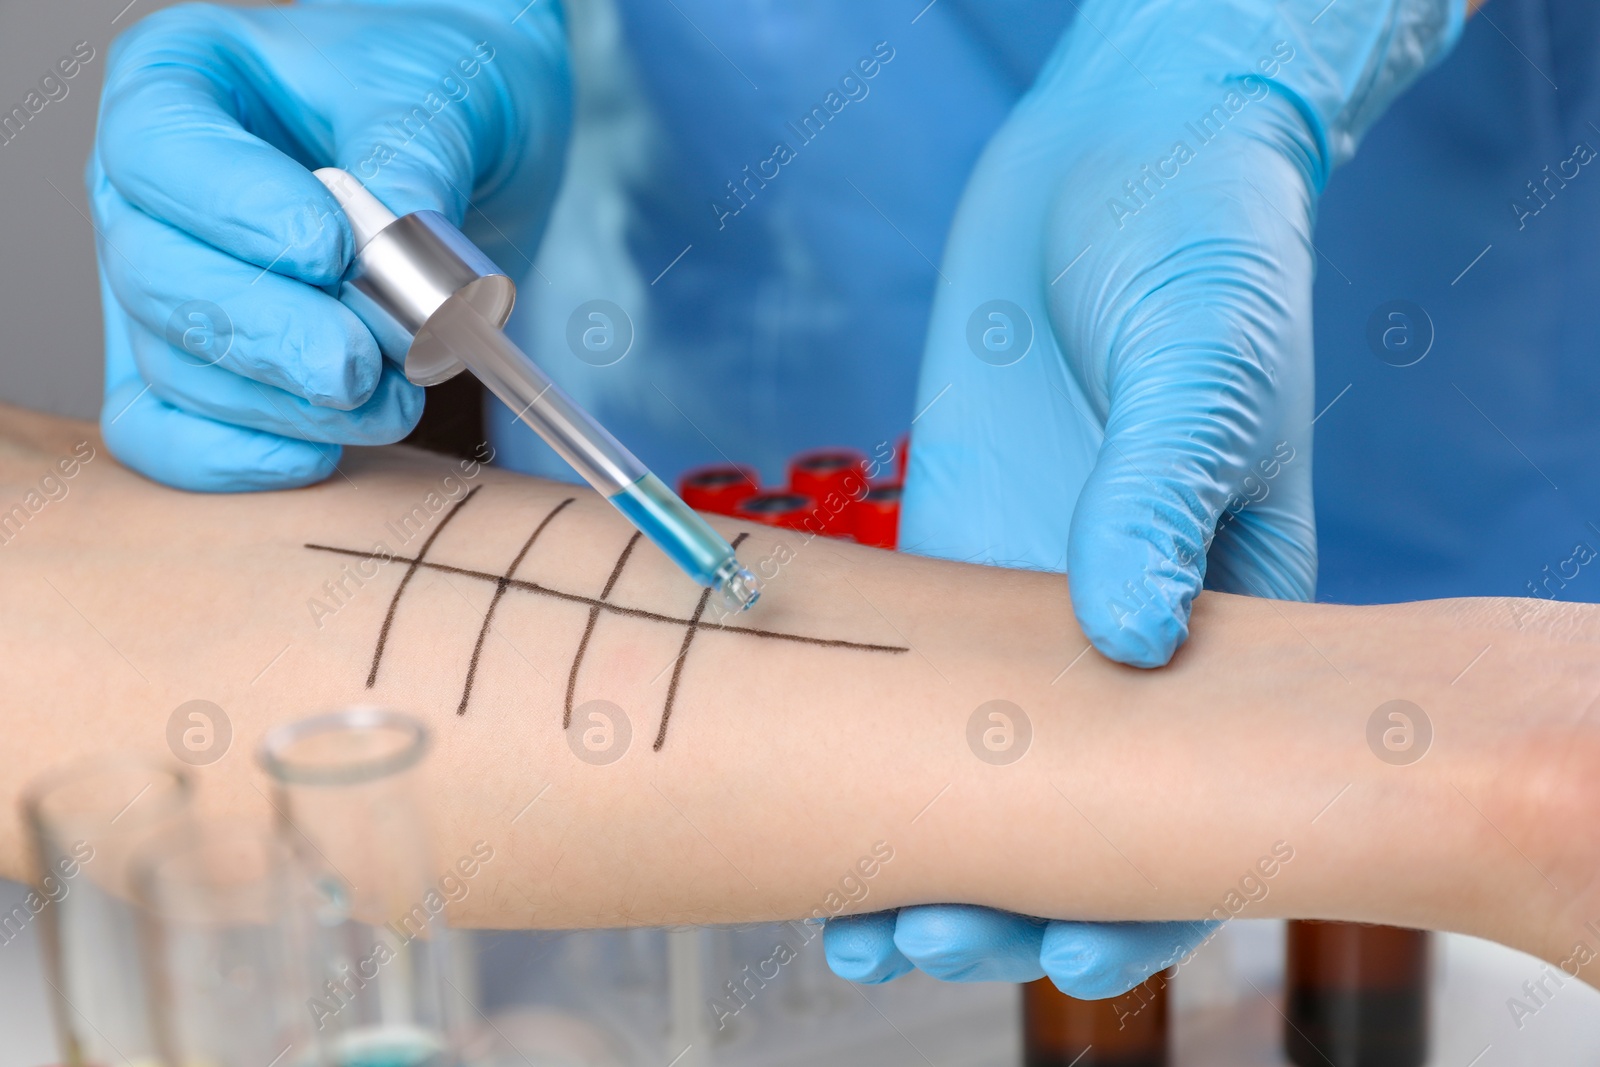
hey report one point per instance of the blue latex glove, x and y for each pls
(1138, 410)
(228, 364)
(1147, 213)
(962, 943)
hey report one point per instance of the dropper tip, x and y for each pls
(738, 587)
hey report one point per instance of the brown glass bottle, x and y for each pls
(1357, 996)
(1125, 1031)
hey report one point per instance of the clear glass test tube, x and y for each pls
(223, 946)
(376, 928)
(85, 821)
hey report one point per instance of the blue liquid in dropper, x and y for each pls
(686, 538)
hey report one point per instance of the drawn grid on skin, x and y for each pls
(405, 580)
(506, 581)
(683, 656)
(588, 629)
(620, 609)
(494, 602)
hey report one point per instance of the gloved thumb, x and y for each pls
(1140, 532)
(1199, 469)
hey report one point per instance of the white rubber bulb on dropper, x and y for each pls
(366, 212)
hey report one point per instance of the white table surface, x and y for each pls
(1226, 1013)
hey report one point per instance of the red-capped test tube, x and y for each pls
(782, 508)
(835, 478)
(876, 517)
(719, 489)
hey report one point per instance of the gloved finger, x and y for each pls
(860, 948)
(188, 451)
(1267, 549)
(192, 382)
(245, 319)
(1194, 402)
(966, 943)
(173, 141)
(1093, 961)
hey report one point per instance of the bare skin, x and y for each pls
(1142, 795)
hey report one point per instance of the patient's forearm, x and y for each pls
(772, 752)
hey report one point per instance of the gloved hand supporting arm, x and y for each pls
(1118, 375)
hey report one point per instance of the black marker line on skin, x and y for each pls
(405, 580)
(588, 629)
(494, 602)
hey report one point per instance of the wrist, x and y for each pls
(1478, 831)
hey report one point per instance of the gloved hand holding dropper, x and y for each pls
(228, 367)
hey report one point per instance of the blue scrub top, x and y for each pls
(1475, 471)
(766, 216)
(764, 190)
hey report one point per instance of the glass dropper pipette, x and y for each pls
(435, 304)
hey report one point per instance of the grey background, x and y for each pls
(49, 302)
(49, 321)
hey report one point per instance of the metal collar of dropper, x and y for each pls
(404, 271)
